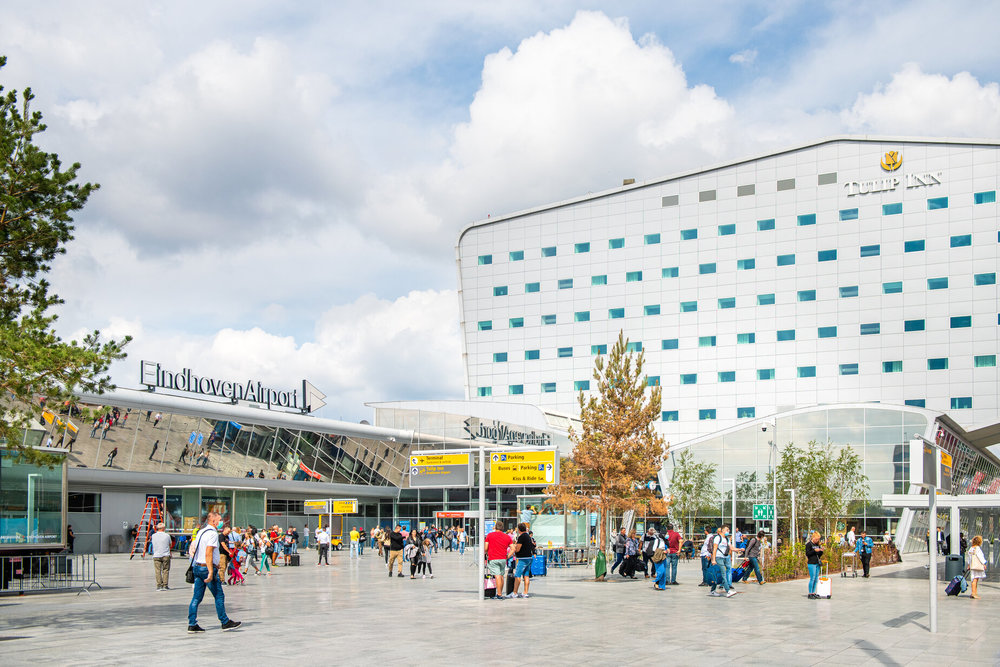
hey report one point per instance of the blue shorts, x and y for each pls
(523, 567)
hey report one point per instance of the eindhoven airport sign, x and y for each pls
(499, 432)
(305, 399)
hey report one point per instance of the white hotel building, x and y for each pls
(841, 287)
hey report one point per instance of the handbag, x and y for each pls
(975, 564)
(189, 575)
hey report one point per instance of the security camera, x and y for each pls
(763, 428)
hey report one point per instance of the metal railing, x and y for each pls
(48, 574)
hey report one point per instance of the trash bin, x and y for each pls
(954, 566)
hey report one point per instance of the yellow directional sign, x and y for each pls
(516, 468)
(345, 506)
(439, 460)
(440, 470)
(316, 507)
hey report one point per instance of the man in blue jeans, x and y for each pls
(619, 549)
(706, 556)
(205, 564)
(722, 557)
(673, 554)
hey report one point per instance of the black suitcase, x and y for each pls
(293, 559)
(954, 586)
(509, 583)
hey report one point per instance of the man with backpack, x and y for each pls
(752, 552)
(721, 563)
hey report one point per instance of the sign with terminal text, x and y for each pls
(316, 507)
(440, 471)
(345, 506)
(524, 468)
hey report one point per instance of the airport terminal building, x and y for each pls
(845, 290)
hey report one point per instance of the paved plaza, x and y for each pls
(351, 611)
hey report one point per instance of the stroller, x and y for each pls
(235, 576)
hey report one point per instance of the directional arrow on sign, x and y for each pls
(312, 398)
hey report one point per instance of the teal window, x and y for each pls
(913, 246)
(616, 244)
(634, 347)
(706, 268)
(892, 366)
(670, 415)
(531, 355)
(706, 341)
(745, 264)
(549, 251)
(892, 209)
(848, 369)
(653, 381)
(961, 240)
(689, 378)
(746, 413)
(985, 361)
(807, 219)
(581, 385)
(564, 352)
(532, 287)
(827, 332)
(962, 322)
(516, 322)
(548, 387)
(500, 290)
(848, 214)
(765, 373)
(670, 272)
(913, 325)
(807, 371)
(598, 280)
(499, 357)
(517, 255)
(668, 344)
(916, 402)
(598, 349)
(486, 325)
(548, 319)
(826, 255)
(616, 313)
(895, 287)
(989, 197)
(484, 391)
(581, 316)
(689, 306)
(515, 389)
(746, 338)
(939, 364)
(706, 414)
(581, 247)
(936, 203)
(651, 239)
(727, 302)
(786, 334)
(485, 259)
(963, 403)
(807, 295)
(727, 230)
(985, 279)
(765, 225)
(727, 376)
(765, 299)
(786, 260)
(870, 328)
(652, 310)
(848, 292)
(633, 276)
(689, 234)
(870, 250)
(566, 283)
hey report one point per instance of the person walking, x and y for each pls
(462, 538)
(864, 548)
(977, 566)
(395, 549)
(205, 564)
(659, 561)
(620, 540)
(524, 549)
(497, 547)
(649, 541)
(752, 552)
(322, 546)
(305, 536)
(706, 557)
(814, 552)
(722, 558)
(425, 560)
(362, 538)
(355, 538)
(111, 458)
(161, 557)
(673, 550)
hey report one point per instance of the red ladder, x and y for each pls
(147, 526)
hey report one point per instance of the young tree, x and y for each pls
(693, 488)
(617, 453)
(37, 199)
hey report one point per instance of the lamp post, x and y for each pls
(732, 525)
(793, 535)
(773, 425)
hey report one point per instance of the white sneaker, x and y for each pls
(731, 594)
(714, 594)
(423, 576)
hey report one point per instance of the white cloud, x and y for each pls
(745, 57)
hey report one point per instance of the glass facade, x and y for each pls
(32, 503)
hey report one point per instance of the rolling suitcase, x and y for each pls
(954, 586)
(489, 587)
(509, 583)
(824, 587)
(538, 566)
(738, 574)
(293, 559)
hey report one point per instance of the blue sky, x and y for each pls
(283, 184)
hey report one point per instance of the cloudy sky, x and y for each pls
(282, 184)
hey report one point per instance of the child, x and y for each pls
(425, 560)
(235, 576)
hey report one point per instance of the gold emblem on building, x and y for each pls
(892, 160)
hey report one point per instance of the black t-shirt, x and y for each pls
(395, 541)
(527, 549)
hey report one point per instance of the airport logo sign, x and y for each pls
(305, 399)
(499, 432)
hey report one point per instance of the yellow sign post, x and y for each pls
(533, 468)
(440, 470)
(345, 506)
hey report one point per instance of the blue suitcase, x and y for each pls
(954, 586)
(538, 566)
